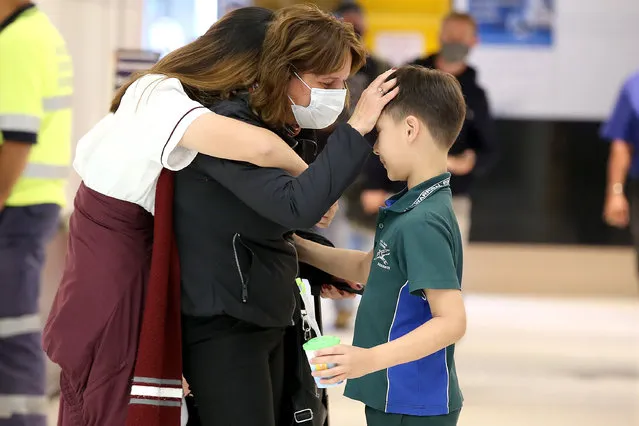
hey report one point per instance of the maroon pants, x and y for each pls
(93, 328)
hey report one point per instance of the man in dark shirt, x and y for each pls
(474, 151)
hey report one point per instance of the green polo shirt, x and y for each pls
(418, 246)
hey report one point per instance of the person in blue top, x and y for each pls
(401, 364)
(621, 207)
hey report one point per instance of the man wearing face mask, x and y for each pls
(474, 151)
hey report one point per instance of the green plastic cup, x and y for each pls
(317, 344)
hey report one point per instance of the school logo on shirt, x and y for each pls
(381, 254)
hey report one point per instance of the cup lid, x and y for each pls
(321, 342)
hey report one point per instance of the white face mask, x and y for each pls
(325, 107)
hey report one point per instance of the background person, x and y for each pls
(474, 152)
(621, 207)
(36, 84)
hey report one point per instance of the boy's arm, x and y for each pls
(447, 326)
(352, 265)
(428, 257)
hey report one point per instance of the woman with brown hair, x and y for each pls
(157, 122)
(234, 221)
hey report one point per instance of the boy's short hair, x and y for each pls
(462, 17)
(434, 97)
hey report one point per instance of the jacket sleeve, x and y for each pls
(294, 202)
(483, 136)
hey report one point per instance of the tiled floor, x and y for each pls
(527, 362)
(540, 362)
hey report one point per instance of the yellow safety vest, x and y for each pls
(36, 86)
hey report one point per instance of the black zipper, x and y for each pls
(297, 260)
(239, 268)
(297, 274)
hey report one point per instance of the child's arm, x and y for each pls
(352, 265)
(447, 326)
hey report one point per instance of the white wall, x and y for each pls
(94, 29)
(596, 46)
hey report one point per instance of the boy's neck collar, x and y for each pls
(409, 198)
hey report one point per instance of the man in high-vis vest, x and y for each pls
(35, 130)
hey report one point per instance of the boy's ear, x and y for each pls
(413, 127)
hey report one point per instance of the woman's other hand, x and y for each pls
(331, 292)
(372, 102)
(329, 216)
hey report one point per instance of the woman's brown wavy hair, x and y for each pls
(222, 60)
(302, 39)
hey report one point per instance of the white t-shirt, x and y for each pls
(122, 156)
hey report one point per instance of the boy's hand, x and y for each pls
(351, 362)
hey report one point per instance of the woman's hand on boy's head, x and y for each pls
(350, 362)
(372, 101)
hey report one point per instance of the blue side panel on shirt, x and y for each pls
(418, 388)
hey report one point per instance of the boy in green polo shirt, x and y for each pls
(401, 364)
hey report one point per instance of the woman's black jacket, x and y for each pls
(233, 224)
